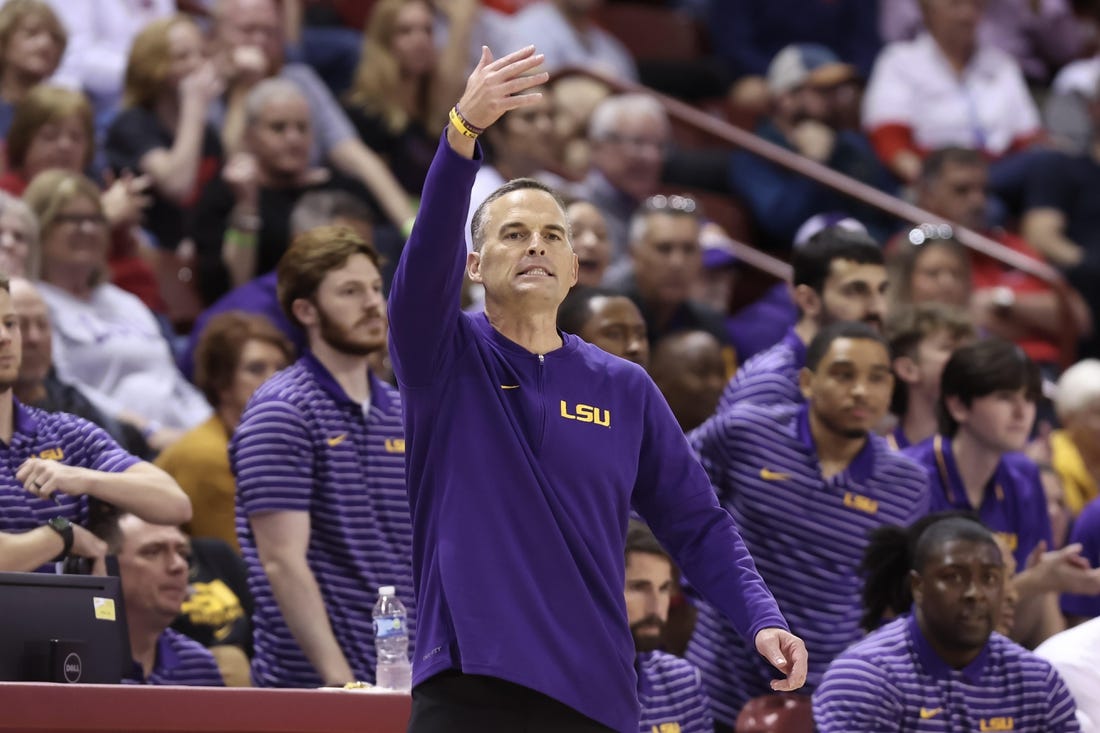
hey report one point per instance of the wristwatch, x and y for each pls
(64, 528)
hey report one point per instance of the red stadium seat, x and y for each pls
(778, 713)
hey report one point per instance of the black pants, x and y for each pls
(452, 702)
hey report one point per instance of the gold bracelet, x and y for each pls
(459, 124)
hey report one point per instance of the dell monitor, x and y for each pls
(62, 628)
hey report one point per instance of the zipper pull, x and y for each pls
(542, 359)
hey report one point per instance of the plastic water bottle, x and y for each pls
(391, 642)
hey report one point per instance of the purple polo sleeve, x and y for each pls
(89, 446)
(272, 459)
(855, 697)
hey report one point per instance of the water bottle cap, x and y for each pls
(387, 590)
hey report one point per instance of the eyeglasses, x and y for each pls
(680, 204)
(918, 235)
(97, 220)
(637, 143)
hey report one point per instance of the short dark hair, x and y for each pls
(481, 213)
(640, 538)
(947, 530)
(982, 368)
(817, 349)
(813, 261)
(939, 159)
(576, 309)
(326, 206)
(887, 560)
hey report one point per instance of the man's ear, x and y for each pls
(916, 586)
(473, 267)
(304, 311)
(808, 301)
(805, 383)
(906, 369)
(956, 408)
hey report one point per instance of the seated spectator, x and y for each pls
(100, 36)
(668, 261)
(928, 265)
(1040, 36)
(954, 184)
(38, 384)
(162, 129)
(895, 679)
(1073, 654)
(670, 689)
(567, 34)
(217, 612)
(248, 48)
(1085, 536)
(1066, 113)
(688, 368)
(106, 342)
(805, 120)
(606, 319)
(947, 87)
(404, 88)
(986, 410)
(1075, 448)
(789, 472)
(838, 275)
(518, 145)
(49, 495)
(628, 136)
(242, 219)
(153, 562)
(590, 240)
(32, 40)
(922, 339)
(19, 253)
(574, 99)
(237, 352)
(259, 296)
(53, 128)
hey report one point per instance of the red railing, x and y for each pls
(727, 133)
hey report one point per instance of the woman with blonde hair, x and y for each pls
(32, 41)
(19, 251)
(162, 130)
(404, 87)
(106, 342)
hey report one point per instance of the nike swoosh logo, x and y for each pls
(926, 713)
(333, 442)
(768, 475)
(509, 386)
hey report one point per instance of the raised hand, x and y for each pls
(495, 87)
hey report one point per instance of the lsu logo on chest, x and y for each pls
(666, 728)
(52, 454)
(996, 724)
(586, 413)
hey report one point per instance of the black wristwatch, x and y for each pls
(64, 528)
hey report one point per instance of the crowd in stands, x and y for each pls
(202, 206)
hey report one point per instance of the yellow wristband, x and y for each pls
(459, 124)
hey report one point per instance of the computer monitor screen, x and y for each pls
(62, 628)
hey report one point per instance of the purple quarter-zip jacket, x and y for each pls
(522, 471)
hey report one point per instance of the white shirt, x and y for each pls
(913, 84)
(1080, 77)
(487, 180)
(1075, 653)
(112, 348)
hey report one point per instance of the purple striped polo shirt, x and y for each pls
(180, 661)
(807, 535)
(522, 472)
(770, 377)
(670, 691)
(304, 446)
(894, 681)
(1086, 530)
(56, 436)
(1013, 506)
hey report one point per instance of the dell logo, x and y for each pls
(73, 667)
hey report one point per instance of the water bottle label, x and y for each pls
(386, 627)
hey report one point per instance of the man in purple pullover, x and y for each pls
(526, 449)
